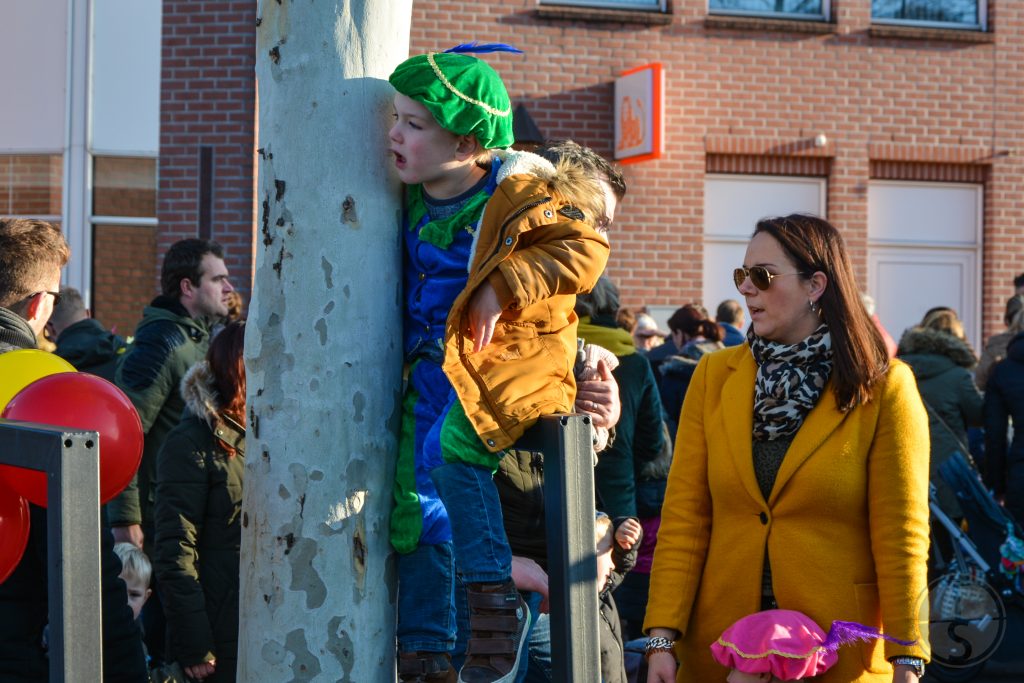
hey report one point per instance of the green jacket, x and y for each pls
(91, 348)
(167, 343)
(198, 530)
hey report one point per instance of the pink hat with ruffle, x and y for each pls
(787, 644)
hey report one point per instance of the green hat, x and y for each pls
(464, 94)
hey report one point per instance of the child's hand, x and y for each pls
(484, 311)
(628, 534)
(201, 671)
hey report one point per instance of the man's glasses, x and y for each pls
(55, 295)
(759, 275)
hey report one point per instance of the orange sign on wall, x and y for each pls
(639, 114)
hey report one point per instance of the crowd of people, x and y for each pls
(729, 457)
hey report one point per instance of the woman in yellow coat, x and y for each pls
(800, 477)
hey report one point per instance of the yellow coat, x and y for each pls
(846, 524)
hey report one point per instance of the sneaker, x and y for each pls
(425, 667)
(499, 621)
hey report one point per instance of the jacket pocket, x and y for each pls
(869, 613)
(523, 373)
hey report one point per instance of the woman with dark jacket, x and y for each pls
(943, 364)
(694, 334)
(198, 503)
(1004, 398)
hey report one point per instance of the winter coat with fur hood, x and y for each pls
(198, 506)
(537, 246)
(942, 366)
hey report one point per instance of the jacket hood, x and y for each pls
(15, 332)
(199, 392)
(564, 181)
(165, 308)
(1015, 349)
(944, 349)
(87, 344)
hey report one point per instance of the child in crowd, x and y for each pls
(617, 543)
(497, 245)
(784, 645)
(136, 572)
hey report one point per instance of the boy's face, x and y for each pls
(424, 152)
(138, 593)
(604, 567)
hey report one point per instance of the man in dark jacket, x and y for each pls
(1004, 401)
(729, 317)
(31, 256)
(80, 338)
(173, 335)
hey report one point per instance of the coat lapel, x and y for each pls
(738, 419)
(823, 419)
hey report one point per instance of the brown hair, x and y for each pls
(30, 250)
(945, 321)
(859, 356)
(185, 260)
(228, 368)
(693, 321)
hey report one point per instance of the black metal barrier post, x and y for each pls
(565, 441)
(70, 459)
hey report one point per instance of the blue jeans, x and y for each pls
(469, 494)
(533, 668)
(426, 610)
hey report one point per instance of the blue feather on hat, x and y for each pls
(477, 48)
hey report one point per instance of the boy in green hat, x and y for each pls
(497, 245)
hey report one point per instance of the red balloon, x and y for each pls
(82, 401)
(13, 530)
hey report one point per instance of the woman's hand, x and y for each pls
(661, 667)
(904, 674)
(202, 670)
(527, 575)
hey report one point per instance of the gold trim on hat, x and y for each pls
(455, 91)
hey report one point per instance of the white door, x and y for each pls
(733, 204)
(924, 250)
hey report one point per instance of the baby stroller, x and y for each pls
(976, 601)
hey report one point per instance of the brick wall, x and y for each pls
(908, 102)
(122, 274)
(207, 98)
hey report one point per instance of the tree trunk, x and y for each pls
(323, 347)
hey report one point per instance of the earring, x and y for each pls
(813, 305)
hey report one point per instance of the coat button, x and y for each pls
(490, 442)
(764, 517)
(548, 213)
(508, 241)
(423, 276)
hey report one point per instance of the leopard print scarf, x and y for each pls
(790, 380)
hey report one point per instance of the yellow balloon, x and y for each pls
(20, 368)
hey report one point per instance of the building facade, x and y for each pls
(900, 121)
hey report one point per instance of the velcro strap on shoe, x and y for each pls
(427, 663)
(493, 622)
(493, 600)
(491, 646)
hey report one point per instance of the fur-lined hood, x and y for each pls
(918, 342)
(197, 388)
(566, 181)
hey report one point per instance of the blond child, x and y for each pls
(617, 545)
(497, 245)
(136, 571)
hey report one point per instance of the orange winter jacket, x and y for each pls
(537, 246)
(845, 526)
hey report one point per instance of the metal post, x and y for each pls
(70, 459)
(565, 441)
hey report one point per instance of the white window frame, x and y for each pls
(826, 13)
(982, 24)
(636, 5)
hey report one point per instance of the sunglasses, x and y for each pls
(56, 296)
(759, 275)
